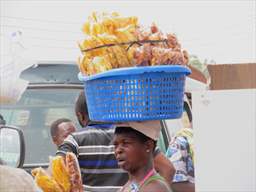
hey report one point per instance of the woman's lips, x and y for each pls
(120, 161)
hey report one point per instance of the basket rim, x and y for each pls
(136, 70)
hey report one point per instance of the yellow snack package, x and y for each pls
(60, 173)
(45, 181)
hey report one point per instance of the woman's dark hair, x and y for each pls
(142, 138)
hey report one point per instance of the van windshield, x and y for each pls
(34, 113)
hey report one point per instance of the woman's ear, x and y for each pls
(149, 146)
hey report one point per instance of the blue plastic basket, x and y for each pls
(136, 93)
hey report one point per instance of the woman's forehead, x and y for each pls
(125, 136)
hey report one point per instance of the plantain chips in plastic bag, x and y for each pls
(60, 173)
(45, 181)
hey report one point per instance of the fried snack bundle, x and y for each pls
(104, 29)
(134, 45)
(60, 173)
(65, 175)
(45, 181)
(165, 52)
(74, 173)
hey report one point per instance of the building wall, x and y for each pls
(232, 76)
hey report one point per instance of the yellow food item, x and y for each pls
(63, 178)
(98, 64)
(92, 42)
(106, 29)
(107, 39)
(75, 173)
(134, 45)
(126, 34)
(44, 181)
(99, 23)
(60, 173)
(82, 64)
(121, 57)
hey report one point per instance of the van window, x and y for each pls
(34, 113)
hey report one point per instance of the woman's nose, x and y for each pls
(118, 149)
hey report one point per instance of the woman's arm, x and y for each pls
(183, 187)
(164, 167)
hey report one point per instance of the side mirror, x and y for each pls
(12, 146)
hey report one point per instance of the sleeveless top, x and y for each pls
(149, 180)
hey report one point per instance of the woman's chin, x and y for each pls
(121, 164)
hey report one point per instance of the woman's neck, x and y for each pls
(138, 175)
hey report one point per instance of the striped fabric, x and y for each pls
(95, 152)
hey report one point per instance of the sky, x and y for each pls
(219, 31)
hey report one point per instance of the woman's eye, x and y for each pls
(126, 143)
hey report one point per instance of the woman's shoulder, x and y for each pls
(156, 186)
(156, 183)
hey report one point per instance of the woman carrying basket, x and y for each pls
(134, 146)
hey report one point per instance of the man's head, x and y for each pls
(60, 129)
(81, 110)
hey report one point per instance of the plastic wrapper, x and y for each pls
(106, 29)
(60, 173)
(45, 181)
(64, 175)
(11, 86)
(113, 41)
(74, 172)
